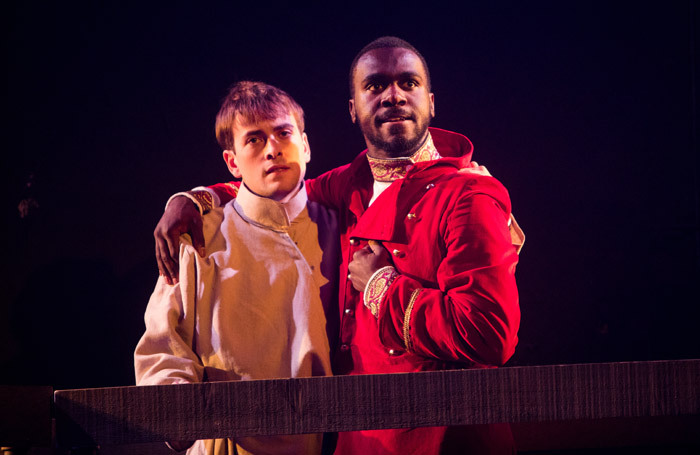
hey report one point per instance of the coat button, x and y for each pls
(354, 241)
(429, 185)
(397, 253)
(394, 352)
(349, 311)
(411, 216)
(344, 347)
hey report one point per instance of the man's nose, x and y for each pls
(273, 149)
(393, 96)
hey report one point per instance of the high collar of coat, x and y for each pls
(390, 169)
(267, 212)
(447, 143)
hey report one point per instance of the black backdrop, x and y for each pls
(585, 112)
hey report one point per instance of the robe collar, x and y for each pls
(266, 212)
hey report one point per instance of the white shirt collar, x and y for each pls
(267, 212)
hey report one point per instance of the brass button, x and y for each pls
(344, 347)
(411, 216)
(394, 352)
(349, 311)
(429, 185)
(397, 253)
(354, 241)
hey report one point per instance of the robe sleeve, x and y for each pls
(473, 315)
(165, 355)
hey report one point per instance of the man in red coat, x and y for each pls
(427, 279)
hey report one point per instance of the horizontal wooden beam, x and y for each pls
(127, 415)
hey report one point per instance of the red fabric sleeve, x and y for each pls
(473, 316)
(226, 191)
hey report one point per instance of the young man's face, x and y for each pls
(392, 103)
(270, 156)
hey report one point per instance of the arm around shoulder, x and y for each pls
(182, 215)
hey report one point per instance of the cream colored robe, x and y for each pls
(252, 308)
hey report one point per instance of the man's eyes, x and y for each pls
(379, 86)
(256, 140)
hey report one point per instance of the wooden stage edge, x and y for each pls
(554, 393)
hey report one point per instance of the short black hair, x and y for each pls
(385, 41)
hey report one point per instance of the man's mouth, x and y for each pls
(275, 169)
(395, 117)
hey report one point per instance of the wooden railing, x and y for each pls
(525, 395)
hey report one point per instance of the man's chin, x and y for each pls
(397, 141)
(398, 128)
(402, 145)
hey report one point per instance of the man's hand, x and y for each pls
(180, 217)
(474, 168)
(367, 261)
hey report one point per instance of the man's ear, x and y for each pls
(432, 105)
(351, 106)
(307, 148)
(230, 158)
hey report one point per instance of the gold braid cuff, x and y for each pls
(202, 199)
(407, 320)
(377, 287)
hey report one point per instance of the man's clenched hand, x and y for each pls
(367, 261)
(181, 217)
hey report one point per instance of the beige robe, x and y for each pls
(252, 308)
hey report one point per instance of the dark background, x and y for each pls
(584, 110)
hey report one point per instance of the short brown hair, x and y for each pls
(254, 101)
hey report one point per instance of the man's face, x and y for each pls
(392, 103)
(270, 156)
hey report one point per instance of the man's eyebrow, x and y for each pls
(411, 75)
(253, 133)
(373, 77)
(283, 126)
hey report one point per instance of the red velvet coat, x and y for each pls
(449, 238)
